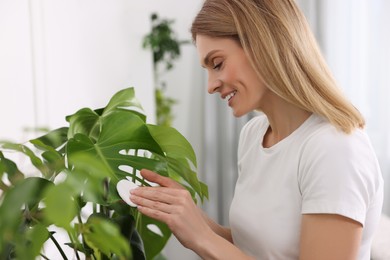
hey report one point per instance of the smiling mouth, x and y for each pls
(231, 95)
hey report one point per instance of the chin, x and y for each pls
(242, 111)
(238, 113)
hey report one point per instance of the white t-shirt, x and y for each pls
(316, 169)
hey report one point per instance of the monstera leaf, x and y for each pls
(97, 149)
(118, 136)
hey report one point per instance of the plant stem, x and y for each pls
(77, 254)
(138, 222)
(81, 228)
(106, 190)
(134, 170)
(137, 214)
(75, 243)
(80, 220)
(58, 247)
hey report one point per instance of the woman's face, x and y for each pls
(231, 74)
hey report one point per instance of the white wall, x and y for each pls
(57, 56)
(16, 93)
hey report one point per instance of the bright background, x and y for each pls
(57, 56)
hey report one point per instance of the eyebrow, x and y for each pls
(206, 59)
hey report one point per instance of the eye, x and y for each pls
(217, 65)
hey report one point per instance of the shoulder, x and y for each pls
(330, 154)
(329, 147)
(325, 140)
(335, 165)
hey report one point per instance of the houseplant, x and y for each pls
(165, 46)
(77, 168)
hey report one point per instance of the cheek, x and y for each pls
(229, 75)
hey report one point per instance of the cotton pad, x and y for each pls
(124, 187)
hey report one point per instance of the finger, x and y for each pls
(155, 214)
(151, 204)
(161, 180)
(161, 194)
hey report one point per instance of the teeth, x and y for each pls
(228, 97)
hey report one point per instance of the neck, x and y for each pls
(284, 118)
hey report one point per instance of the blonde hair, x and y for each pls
(283, 52)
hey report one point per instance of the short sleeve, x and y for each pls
(338, 174)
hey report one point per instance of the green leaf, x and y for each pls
(35, 160)
(153, 241)
(11, 169)
(36, 237)
(173, 143)
(92, 164)
(54, 161)
(125, 99)
(12, 207)
(61, 208)
(121, 131)
(52, 140)
(52, 145)
(127, 226)
(88, 176)
(205, 190)
(180, 167)
(85, 121)
(104, 236)
(178, 153)
(127, 131)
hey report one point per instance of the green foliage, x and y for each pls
(163, 42)
(164, 105)
(166, 49)
(76, 171)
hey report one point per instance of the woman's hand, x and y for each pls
(172, 204)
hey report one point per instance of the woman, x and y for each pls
(309, 184)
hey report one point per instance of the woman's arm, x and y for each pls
(218, 248)
(329, 236)
(173, 205)
(218, 229)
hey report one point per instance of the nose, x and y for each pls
(214, 85)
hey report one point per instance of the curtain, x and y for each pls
(221, 133)
(355, 39)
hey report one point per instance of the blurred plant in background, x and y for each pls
(166, 50)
